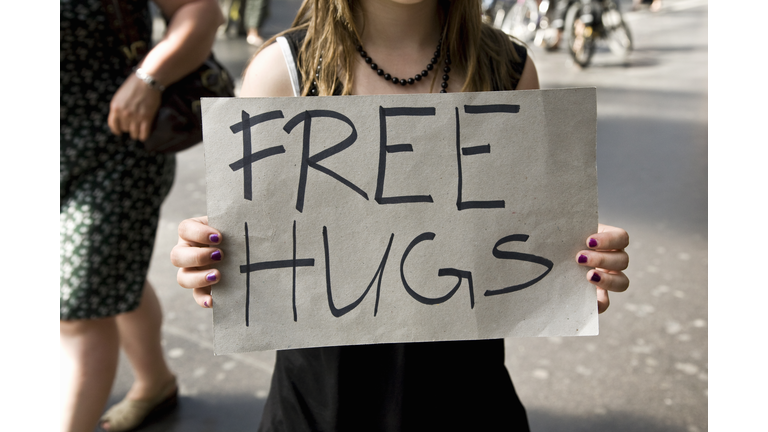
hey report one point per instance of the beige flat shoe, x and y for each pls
(130, 414)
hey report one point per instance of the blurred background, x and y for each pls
(648, 368)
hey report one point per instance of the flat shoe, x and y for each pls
(129, 414)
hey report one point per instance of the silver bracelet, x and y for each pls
(149, 79)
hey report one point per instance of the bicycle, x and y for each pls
(586, 22)
(518, 18)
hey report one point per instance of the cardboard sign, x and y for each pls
(401, 218)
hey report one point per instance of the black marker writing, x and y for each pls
(481, 149)
(270, 265)
(460, 274)
(520, 257)
(379, 274)
(486, 109)
(314, 161)
(397, 148)
(248, 157)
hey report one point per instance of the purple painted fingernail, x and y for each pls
(214, 238)
(592, 243)
(216, 256)
(595, 277)
(205, 303)
(211, 277)
(582, 259)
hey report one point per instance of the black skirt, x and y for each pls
(436, 386)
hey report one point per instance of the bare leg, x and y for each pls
(255, 13)
(139, 332)
(140, 340)
(254, 38)
(90, 348)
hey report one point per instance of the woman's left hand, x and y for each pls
(606, 254)
(133, 108)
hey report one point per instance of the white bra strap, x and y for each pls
(291, 63)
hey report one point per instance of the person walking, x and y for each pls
(111, 190)
(256, 11)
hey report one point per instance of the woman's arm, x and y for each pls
(267, 75)
(187, 43)
(529, 79)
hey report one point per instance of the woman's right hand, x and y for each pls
(194, 254)
(133, 109)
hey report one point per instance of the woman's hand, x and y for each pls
(606, 254)
(194, 254)
(133, 108)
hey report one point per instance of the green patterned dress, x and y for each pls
(111, 189)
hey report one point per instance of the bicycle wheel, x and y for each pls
(616, 31)
(580, 36)
(522, 20)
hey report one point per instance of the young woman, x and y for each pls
(367, 47)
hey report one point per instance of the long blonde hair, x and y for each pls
(484, 54)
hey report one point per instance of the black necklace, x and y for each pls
(396, 80)
(418, 76)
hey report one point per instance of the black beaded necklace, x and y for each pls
(396, 80)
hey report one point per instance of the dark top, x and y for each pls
(436, 386)
(296, 38)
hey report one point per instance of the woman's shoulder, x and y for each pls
(267, 74)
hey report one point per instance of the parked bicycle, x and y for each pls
(580, 23)
(587, 22)
(519, 18)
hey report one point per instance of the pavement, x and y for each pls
(648, 368)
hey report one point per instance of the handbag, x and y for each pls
(178, 123)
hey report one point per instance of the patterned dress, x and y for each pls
(111, 188)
